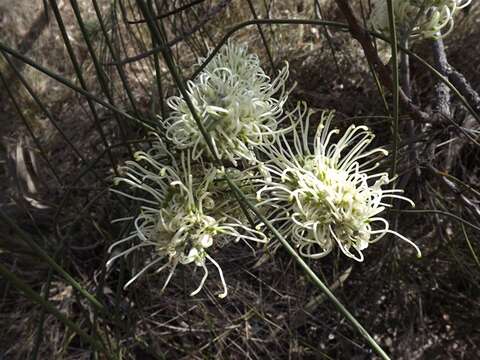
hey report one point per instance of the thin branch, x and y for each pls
(405, 80)
(462, 84)
(168, 13)
(443, 96)
(208, 17)
(363, 37)
(262, 35)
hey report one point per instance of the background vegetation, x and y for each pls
(77, 88)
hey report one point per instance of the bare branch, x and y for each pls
(462, 84)
(363, 37)
(442, 91)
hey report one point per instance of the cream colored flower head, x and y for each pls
(240, 107)
(324, 192)
(181, 215)
(417, 18)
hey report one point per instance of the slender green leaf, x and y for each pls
(32, 295)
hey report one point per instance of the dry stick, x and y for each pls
(384, 74)
(443, 96)
(462, 84)
(405, 70)
(442, 92)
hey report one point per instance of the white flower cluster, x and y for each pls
(319, 196)
(184, 210)
(417, 18)
(326, 193)
(235, 99)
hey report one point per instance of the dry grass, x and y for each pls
(417, 309)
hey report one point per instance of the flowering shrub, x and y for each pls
(417, 18)
(320, 196)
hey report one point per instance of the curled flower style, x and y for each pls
(418, 18)
(328, 194)
(181, 217)
(235, 100)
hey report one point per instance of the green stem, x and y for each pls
(342, 309)
(395, 85)
(32, 295)
(41, 253)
